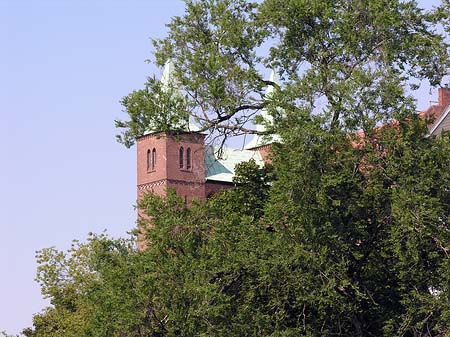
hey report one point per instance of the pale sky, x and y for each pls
(64, 66)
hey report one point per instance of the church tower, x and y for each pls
(180, 160)
(174, 159)
(171, 160)
(259, 143)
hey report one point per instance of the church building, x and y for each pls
(182, 161)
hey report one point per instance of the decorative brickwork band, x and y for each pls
(148, 186)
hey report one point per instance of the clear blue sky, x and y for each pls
(64, 65)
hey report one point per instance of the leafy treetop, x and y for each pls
(345, 61)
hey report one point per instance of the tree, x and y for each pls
(94, 289)
(347, 234)
(347, 61)
(328, 247)
(371, 224)
(337, 205)
(105, 288)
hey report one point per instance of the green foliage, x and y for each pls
(346, 240)
(154, 108)
(374, 223)
(345, 60)
(93, 288)
(346, 234)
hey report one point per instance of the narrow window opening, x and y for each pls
(181, 157)
(149, 160)
(188, 158)
(154, 158)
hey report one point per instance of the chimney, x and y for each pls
(444, 96)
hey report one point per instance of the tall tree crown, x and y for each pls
(347, 62)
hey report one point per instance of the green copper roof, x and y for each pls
(222, 169)
(259, 140)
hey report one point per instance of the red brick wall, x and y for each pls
(150, 142)
(189, 183)
(444, 96)
(264, 151)
(196, 174)
(167, 170)
(212, 188)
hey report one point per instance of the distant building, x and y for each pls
(181, 160)
(439, 113)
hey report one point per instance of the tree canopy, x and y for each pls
(346, 233)
(347, 61)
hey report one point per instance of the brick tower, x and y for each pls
(180, 160)
(175, 160)
(170, 160)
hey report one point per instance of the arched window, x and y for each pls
(181, 157)
(149, 160)
(188, 158)
(153, 158)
